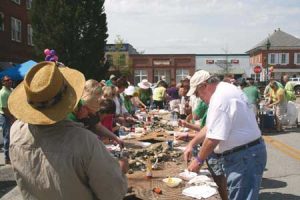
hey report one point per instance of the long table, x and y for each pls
(142, 187)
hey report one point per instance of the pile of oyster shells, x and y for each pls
(157, 153)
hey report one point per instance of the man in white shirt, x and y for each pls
(233, 134)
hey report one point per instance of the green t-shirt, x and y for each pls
(128, 105)
(145, 95)
(252, 94)
(289, 91)
(201, 112)
(4, 94)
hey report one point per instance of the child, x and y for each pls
(106, 113)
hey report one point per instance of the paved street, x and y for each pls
(281, 178)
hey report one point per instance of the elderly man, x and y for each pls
(233, 134)
(54, 158)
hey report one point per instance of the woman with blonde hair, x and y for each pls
(88, 111)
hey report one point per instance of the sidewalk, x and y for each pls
(8, 189)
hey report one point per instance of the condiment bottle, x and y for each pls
(148, 169)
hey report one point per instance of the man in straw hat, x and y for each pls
(54, 158)
(233, 135)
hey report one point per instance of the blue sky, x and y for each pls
(199, 26)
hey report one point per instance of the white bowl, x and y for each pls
(172, 182)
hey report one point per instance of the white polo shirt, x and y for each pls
(230, 119)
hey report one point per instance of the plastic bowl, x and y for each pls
(172, 182)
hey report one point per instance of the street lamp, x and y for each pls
(268, 44)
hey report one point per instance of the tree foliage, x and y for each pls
(76, 29)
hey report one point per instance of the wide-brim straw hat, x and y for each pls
(144, 84)
(47, 94)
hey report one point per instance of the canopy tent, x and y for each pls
(18, 72)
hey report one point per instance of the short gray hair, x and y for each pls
(213, 79)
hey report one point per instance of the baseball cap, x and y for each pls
(198, 78)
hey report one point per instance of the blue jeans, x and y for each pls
(214, 163)
(5, 124)
(244, 170)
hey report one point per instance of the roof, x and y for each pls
(278, 40)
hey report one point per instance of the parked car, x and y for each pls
(296, 83)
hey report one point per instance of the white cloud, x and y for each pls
(199, 26)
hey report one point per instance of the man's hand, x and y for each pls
(182, 136)
(182, 122)
(194, 166)
(188, 153)
(120, 142)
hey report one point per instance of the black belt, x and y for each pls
(239, 148)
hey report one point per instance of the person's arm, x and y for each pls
(206, 149)
(196, 140)
(189, 125)
(185, 136)
(9, 115)
(103, 131)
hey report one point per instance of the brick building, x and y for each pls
(280, 51)
(16, 44)
(154, 66)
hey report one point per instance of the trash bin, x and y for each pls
(267, 120)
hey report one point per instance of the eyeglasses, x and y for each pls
(201, 85)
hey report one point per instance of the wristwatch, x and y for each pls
(199, 160)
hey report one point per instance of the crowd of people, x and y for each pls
(55, 123)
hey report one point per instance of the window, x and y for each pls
(109, 59)
(15, 29)
(284, 59)
(181, 74)
(1, 21)
(17, 1)
(139, 75)
(297, 58)
(158, 73)
(28, 4)
(29, 35)
(122, 60)
(256, 77)
(272, 60)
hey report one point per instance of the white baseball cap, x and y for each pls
(198, 78)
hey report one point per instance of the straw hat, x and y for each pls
(47, 94)
(129, 91)
(144, 84)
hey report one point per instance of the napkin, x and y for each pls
(199, 192)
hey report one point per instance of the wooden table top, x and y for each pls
(142, 187)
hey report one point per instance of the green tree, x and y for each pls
(76, 29)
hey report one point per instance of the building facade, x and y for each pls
(223, 64)
(16, 44)
(154, 66)
(118, 57)
(279, 53)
